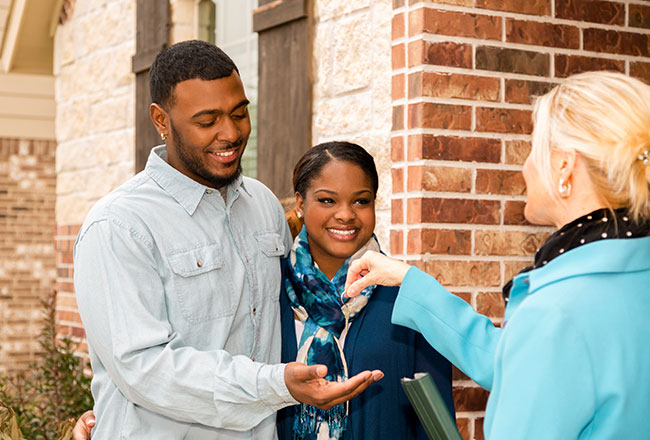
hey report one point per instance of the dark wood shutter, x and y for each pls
(285, 89)
(153, 23)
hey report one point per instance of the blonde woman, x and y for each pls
(573, 359)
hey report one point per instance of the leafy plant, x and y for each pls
(39, 403)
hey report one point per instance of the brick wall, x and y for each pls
(352, 85)
(464, 74)
(28, 268)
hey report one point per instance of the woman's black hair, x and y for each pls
(312, 162)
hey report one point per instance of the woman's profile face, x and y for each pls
(339, 213)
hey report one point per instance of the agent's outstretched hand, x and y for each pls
(306, 384)
(374, 268)
(83, 427)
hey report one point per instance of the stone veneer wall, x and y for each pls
(95, 92)
(352, 74)
(28, 270)
(464, 74)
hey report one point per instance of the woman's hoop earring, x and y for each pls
(564, 188)
(163, 136)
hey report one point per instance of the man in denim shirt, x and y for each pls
(177, 275)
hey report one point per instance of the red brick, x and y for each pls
(398, 28)
(640, 70)
(464, 273)
(542, 34)
(470, 399)
(467, 3)
(435, 115)
(463, 425)
(505, 182)
(567, 65)
(639, 16)
(397, 148)
(397, 175)
(508, 243)
(593, 11)
(464, 211)
(531, 7)
(396, 242)
(439, 241)
(398, 56)
(626, 43)
(397, 87)
(441, 54)
(512, 268)
(398, 4)
(478, 429)
(453, 148)
(453, 85)
(456, 374)
(501, 59)
(503, 120)
(524, 92)
(456, 24)
(439, 178)
(490, 304)
(398, 117)
(513, 213)
(397, 212)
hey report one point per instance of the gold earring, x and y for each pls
(163, 136)
(564, 188)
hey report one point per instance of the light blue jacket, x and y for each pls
(573, 361)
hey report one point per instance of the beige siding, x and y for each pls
(27, 106)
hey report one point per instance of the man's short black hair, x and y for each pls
(186, 60)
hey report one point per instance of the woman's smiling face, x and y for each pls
(339, 213)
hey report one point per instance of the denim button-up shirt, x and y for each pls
(178, 293)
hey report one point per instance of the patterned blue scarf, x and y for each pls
(316, 301)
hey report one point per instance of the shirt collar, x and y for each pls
(186, 191)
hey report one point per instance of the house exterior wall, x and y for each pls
(27, 196)
(95, 93)
(352, 80)
(28, 269)
(463, 76)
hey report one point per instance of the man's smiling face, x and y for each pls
(209, 129)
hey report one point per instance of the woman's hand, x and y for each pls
(83, 427)
(374, 268)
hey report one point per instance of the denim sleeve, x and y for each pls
(465, 337)
(123, 306)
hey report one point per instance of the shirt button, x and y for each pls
(254, 312)
(199, 263)
(209, 191)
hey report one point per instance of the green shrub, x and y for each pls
(38, 404)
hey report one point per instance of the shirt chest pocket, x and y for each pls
(271, 249)
(203, 286)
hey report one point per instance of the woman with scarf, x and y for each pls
(572, 360)
(336, 185)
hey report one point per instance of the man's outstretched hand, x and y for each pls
(306, 384)
(82, 429)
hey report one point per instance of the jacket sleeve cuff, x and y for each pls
(272, 389)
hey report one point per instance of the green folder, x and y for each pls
(430, 408)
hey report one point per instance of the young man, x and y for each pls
(177, 275)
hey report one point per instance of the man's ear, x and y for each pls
(160, 119)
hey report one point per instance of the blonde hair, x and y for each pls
(605, 117)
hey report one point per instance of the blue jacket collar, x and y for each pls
(603, 256)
